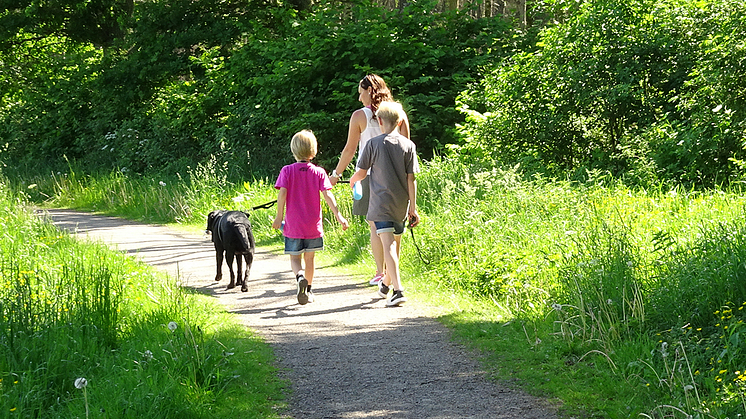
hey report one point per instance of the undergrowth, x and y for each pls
(617, 302)
(89, 332)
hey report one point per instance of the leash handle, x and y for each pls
(264, 206)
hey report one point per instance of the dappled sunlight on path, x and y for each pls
(346, 355)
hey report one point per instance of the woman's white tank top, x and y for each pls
(372, 129)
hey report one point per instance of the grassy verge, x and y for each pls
(615, 302)
(88, 332)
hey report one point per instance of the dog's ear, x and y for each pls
(247, 214)
(211, 219)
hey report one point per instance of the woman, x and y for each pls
(372, 91)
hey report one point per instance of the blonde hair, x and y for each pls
(390, 113)
(304, 145)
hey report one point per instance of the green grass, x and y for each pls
(147, 347)
(610, 301)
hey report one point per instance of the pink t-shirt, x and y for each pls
(304, 181)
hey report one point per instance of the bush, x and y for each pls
(639, 88)
(196, 81)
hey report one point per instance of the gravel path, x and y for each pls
(346, 355)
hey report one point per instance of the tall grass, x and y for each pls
(146, 347)
(637, 294)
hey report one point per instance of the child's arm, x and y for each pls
(404, 127)
(281, 199)
(329, 198)
(358, 122)
(359, 175)
(413, 217)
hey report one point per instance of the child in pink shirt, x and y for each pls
(298, 203)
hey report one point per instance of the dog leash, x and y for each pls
(264, 206)
(270, 203)
(419, 252)
(410, 227)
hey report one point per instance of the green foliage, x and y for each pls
(601, 296)
(190, 81)
(306, 75)
(708, 273)
(96, 22)
(643, 89)
(146, 347)
(574, 287)
(41, 118)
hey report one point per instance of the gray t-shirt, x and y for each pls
(390, 157)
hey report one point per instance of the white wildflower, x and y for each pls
(172, 326)
(81, 383)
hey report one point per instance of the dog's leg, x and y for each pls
(219, 257)
(249, 257)
(239, 269)
(229, 255)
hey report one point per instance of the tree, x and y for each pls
(99, 22)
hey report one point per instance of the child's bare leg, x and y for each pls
(391, 245)
(376, 247)
(296, 265)
(308, 258)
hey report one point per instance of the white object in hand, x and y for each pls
(357, 191)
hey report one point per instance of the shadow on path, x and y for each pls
(346, 355)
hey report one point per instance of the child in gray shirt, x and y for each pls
(392, 160)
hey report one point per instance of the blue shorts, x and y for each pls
(300, 246)
(389, 227)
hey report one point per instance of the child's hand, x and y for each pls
(277, 223)
(343, 221)
(414, 219)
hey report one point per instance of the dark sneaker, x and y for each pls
(396, 298)
(383, 290)
(302, 294)
(310, 296)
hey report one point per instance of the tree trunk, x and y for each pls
(521, 9)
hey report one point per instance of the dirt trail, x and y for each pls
(346, 355)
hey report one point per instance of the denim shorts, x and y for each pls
(300, 246)
(389, 227)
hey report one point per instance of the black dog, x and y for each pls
(231, 233)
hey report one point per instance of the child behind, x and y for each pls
(298, 203)
(392, 160)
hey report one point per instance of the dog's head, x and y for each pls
(212, 219)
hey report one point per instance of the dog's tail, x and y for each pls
(247, 239)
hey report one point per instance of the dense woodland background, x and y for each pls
(649, 91)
